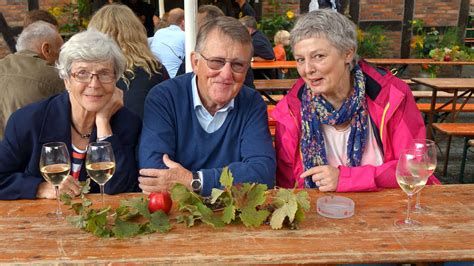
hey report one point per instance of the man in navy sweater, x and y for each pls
(198, 123)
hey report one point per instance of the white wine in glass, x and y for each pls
(55, 165)
(100, 164)
(427, 147)
(409, 182)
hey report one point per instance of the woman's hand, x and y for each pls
(70, 186)
(102, 117)
(326, 177)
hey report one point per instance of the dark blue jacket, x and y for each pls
(243, 142)
(49, 121)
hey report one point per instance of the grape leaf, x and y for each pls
(303, 200)
(251, 217)
(256, 195)
(123, 229)
(139, 205)
(226, 178)
(286, 206)
(228, 214)
(159, 222)
(208, 216)
(215, 194)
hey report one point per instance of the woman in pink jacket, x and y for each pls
(344, 123)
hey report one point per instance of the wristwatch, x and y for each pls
(196, 183)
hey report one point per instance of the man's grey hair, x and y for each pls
(339, 30)
(226, 26)
(90, 46)
(35, 34)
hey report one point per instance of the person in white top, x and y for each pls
(168, 43)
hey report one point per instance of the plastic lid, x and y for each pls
(336, 207)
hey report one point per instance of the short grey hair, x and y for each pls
(90, 46)
(35, 34)
(227, 26)
(339, 30)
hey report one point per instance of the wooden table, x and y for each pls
(28, 236)
(451, 85)
(273, 85)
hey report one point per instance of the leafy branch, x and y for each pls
(130, 219)
(246, 203)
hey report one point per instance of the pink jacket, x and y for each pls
(392, 109)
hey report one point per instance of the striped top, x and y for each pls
(78, 156)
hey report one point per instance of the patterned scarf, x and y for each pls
(315, 111)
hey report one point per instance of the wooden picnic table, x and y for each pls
(450, 85)
(30, 237)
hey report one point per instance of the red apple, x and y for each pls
(159, 201)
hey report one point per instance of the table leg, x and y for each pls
(429, 133)
(446, 157)
(454, 103)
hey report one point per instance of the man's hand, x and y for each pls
(70, 186)
(326, 177)
(157, 180)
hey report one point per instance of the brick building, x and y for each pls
(392, 14)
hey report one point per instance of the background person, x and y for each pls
(200, 122)
(39, 15)
(28, 75)
(168, 43)
(262, 51)
(143, 70)
(344, 123)
(91, 109)
(281, 39)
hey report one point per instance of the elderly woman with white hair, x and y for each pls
(344, 123)
(91, 109)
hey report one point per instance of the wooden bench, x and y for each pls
(271, 121)
(429, 94)
(425, 107)
(465, 130)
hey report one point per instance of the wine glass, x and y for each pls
(55, 165)
(411, 177)
(100, 164)
(429, 148)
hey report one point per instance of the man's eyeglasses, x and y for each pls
(86, 77)
(217, 63)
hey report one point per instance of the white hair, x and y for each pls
(90, 46)
(35, 34)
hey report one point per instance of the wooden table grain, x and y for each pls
(29, 236)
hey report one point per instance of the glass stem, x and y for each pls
(418, 205)
(408, 220)
(102, 194)
(58, 211)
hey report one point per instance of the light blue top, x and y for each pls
(208, 122)
(168, 46)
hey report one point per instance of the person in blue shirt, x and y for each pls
(198, 123)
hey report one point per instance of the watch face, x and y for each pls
(196, 184)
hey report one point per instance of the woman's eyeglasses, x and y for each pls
(86, 77)
(217, 63)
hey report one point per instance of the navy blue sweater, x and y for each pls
(243, 142)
